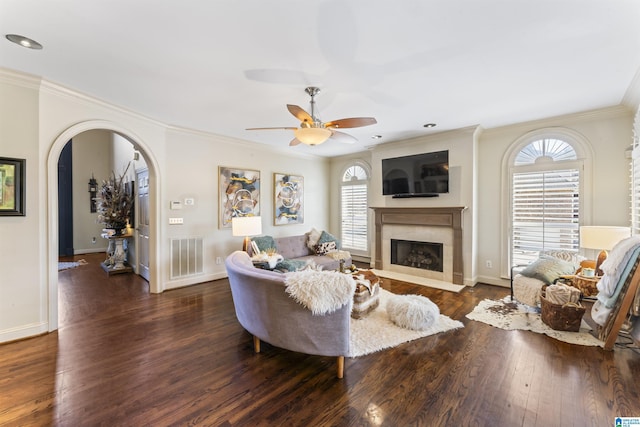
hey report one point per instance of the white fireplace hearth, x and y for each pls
(429, 225)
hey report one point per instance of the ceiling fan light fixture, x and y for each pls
(312, 136)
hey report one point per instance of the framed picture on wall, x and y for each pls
(288, 199)
(12, 186)
(239, 194)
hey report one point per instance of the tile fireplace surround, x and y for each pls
(441, 217)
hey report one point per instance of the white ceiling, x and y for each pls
(222, 66)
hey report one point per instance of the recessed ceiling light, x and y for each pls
(376, 137)
(430, 125)
(23, 41)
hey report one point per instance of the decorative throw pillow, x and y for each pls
(287, 265)
(325, 248)
(312, 238)
(264, 242)
(548, 269)
(572, 257)
(326, 237)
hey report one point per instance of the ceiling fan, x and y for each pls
(313, 131)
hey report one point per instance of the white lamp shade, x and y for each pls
(312, 136)
(246, 226)
(602, 237)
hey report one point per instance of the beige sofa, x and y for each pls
(296, 253)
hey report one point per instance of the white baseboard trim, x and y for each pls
(89, 251)
(22, 332)
(194, 280)
(496, 281)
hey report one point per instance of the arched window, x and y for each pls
(545, 199)
(354, 208)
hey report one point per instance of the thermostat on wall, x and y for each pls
(176, 205)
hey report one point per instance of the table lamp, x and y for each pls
(246, 226)
(602, 238)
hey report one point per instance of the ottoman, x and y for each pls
(412, 312)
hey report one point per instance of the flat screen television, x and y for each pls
(418, 175)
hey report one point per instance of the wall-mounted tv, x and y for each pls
(419, 175)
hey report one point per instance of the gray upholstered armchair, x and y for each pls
(265, 310)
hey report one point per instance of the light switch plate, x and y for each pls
(175, 221)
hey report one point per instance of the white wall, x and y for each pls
(477, 179)
(607, 131)
(22, 273)
(193, 173)
(91, 153)
(39, 117)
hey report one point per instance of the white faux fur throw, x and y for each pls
(322, 292)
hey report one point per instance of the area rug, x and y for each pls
(68, 265)
(511, 315)
(423, 281)
(376, 332)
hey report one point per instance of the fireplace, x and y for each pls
(424, 255)
(441, 226)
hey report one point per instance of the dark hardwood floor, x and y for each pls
(124, 357)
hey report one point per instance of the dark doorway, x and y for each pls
(65, 201)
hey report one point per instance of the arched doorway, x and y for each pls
(52, 207)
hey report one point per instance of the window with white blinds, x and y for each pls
(354, 209)
(545, 213)
(545, 200)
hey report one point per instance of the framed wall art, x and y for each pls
(239, 194)
(12, 186)
(289, 199)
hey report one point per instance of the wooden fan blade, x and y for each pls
(294, 142)
(353, 122)
(299, 113)
(281, 128)
(342, 137)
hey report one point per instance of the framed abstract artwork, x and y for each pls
(288, 199)
(12, 186)
(239, 194)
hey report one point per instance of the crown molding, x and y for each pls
(562, 121)
(248, 145)
(76, 96)
(55, 89)
(19, 78)
(447, 135)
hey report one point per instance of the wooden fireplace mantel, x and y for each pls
(450, 217)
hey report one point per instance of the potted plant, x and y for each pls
(114, 202)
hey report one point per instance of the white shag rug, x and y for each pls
(376, 332)
(322, 292)
(508, 315)
(73, 264)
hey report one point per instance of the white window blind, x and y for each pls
(354, 217)
(545, 213)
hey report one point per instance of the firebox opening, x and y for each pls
(424, 255)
